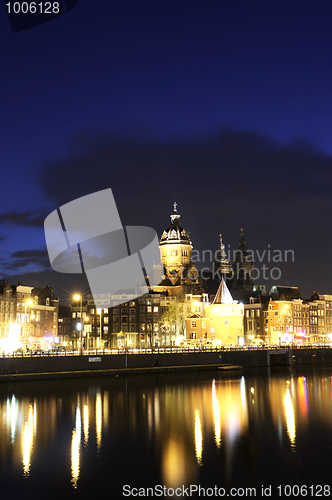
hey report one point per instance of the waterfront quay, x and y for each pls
(116, 362)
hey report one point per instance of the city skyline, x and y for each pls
(224, 108)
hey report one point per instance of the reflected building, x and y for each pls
(176, 424)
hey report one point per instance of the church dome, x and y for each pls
(175, 233)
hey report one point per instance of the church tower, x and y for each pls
(180, 274)
(242, 267)
(221, 266)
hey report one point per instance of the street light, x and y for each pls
(77, 298)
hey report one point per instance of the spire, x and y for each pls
(221, 263)
(242, 266)
(223, 295)
(175, 216)
(223, 255)
(242, 251)
(242, 241)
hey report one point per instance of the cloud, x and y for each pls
(240, 165)
(29, 218)
(280, 193)
(227, 179)
(23, 258)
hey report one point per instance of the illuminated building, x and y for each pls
(298, 320)
(328, 314)
(28, 317)
(7, 313)
(254, 319)
(222, 321)
(42, 316)
(78, 313)
(64, 325)
(278, 321)
(180, 274)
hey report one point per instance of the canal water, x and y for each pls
(213, 434)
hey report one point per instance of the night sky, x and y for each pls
(222, 106)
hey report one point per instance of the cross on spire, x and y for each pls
(175, 215)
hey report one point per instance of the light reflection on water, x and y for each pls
(169, 430)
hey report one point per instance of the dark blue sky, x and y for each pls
(223, 106)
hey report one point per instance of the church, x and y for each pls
(183, 308)
(219, 323)
(180, 275)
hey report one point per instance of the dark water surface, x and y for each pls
(89, 438)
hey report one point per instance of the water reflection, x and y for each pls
(29, 431)
(290, 417)
(86, 424)
(174, 463)
(99, 419)
(175, 426)
(198, 438)
(216, 414)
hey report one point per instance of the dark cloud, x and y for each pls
(280, 193)
(240, 164)
(23, 258)
(240, 178)
(29, 218)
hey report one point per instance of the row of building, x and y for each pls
(183, 309)
(28, 317)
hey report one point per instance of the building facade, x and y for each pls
(220, 323)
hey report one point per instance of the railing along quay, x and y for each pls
(164, 350)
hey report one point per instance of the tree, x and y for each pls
(174, 317)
